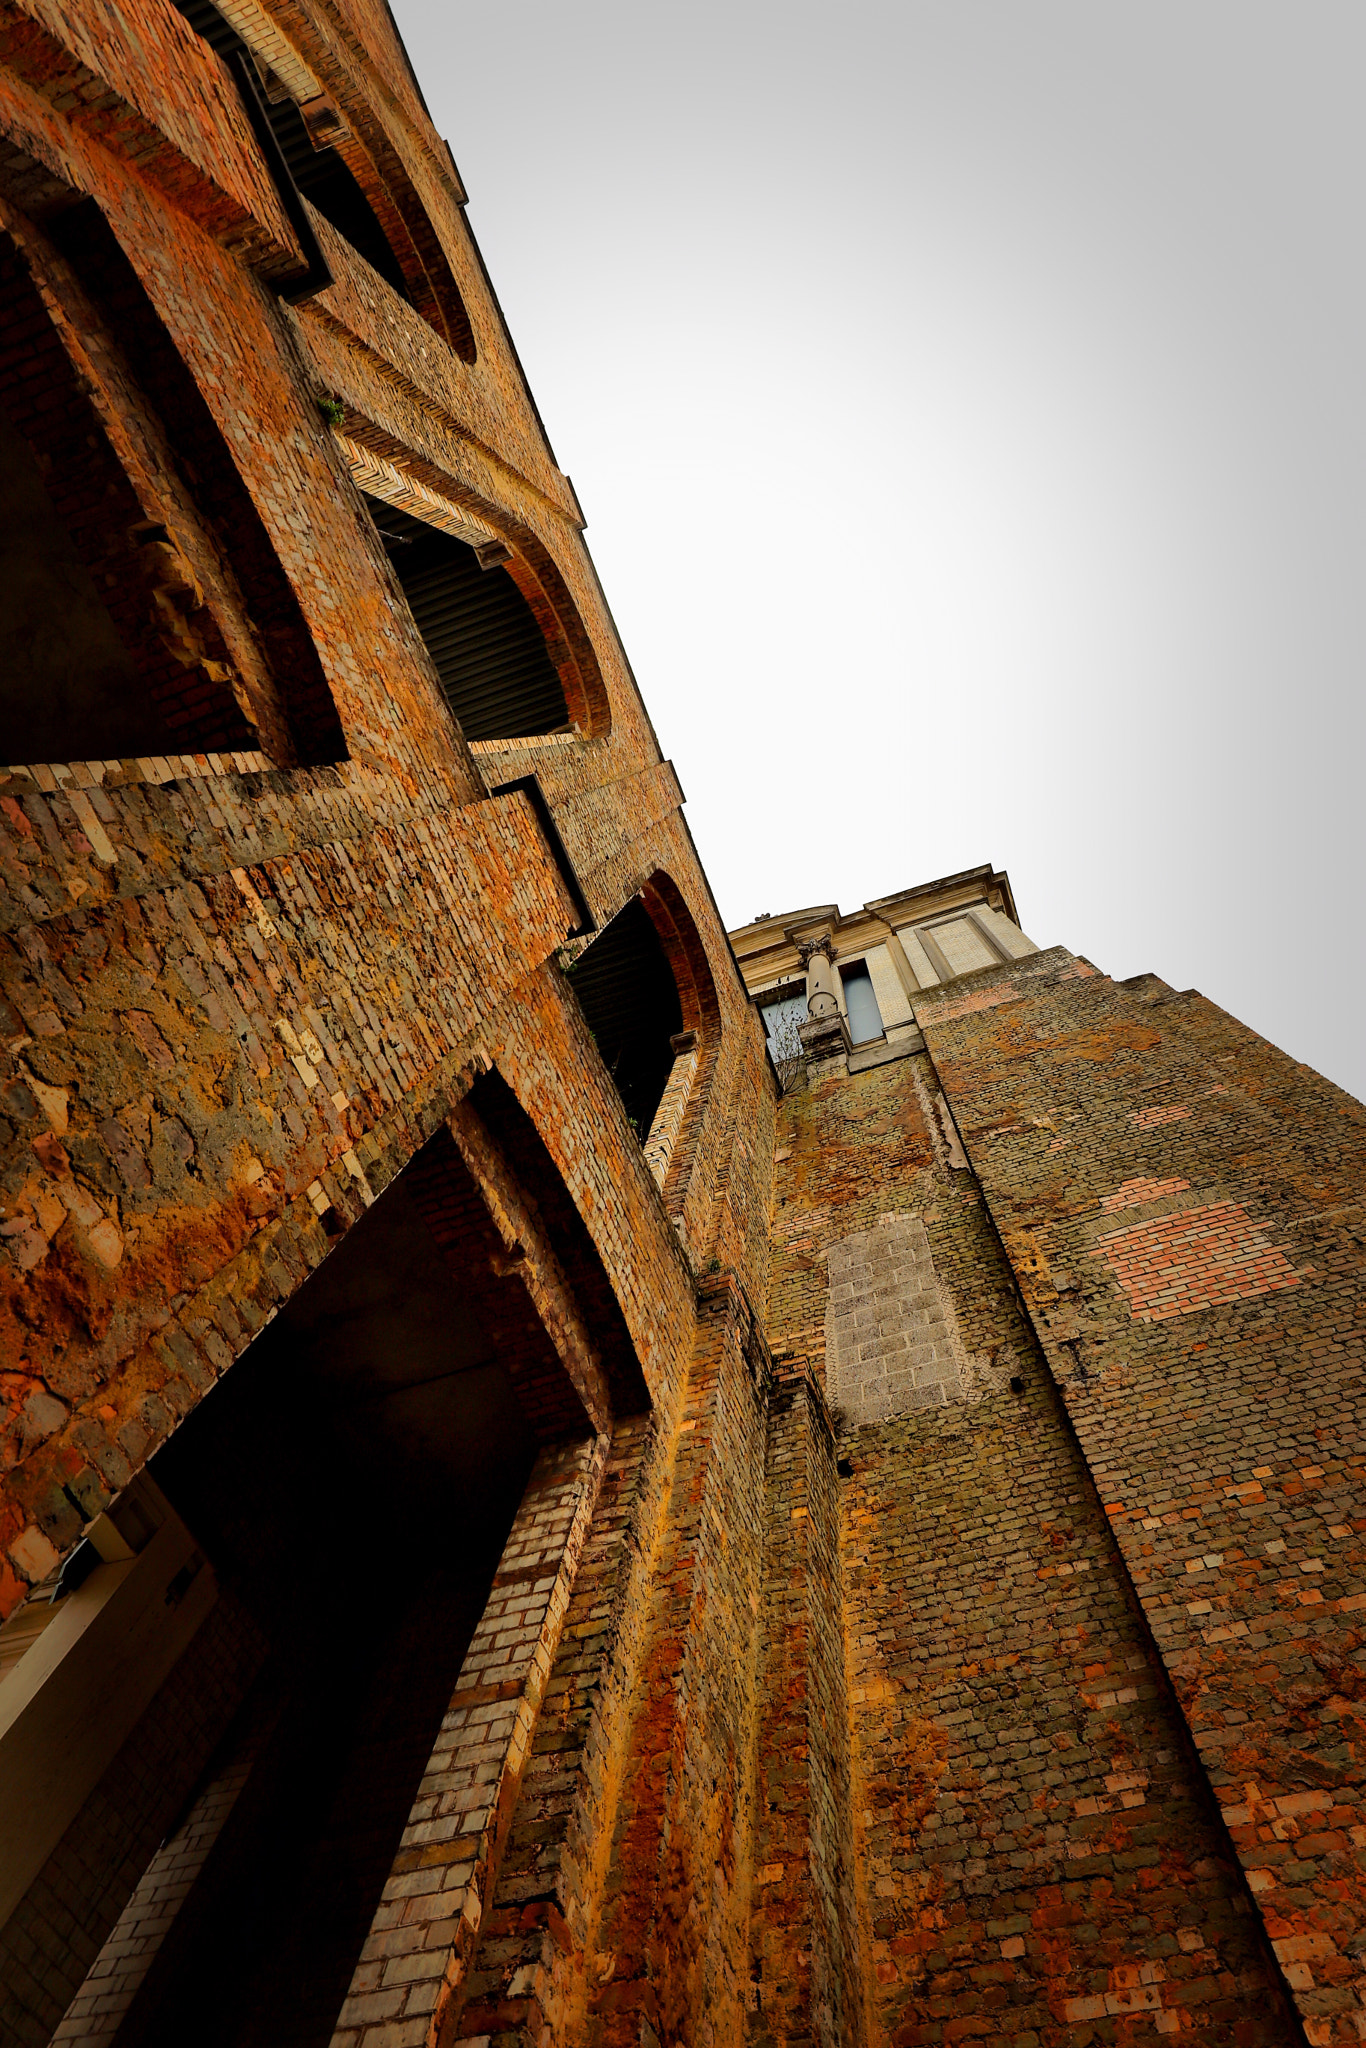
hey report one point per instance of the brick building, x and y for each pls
(565, 1482)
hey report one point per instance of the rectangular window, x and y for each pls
(781, 1020)
(865, 1018)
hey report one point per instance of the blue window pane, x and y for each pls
(865, 1018)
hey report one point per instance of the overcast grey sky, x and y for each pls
(968, 403)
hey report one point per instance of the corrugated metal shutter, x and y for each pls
(626, 990)
(479, 630)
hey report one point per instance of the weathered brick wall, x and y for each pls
(195, 1060)
(1037, 1856)
(805, 1975)
(1183, 1207)
(623, 1891)
(671, 1926)
(536, 1954)
(239, 996)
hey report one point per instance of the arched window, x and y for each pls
(127, 537)
(363, 191)
(646, 990)
(327, 181)
(629, 998)
(484, 640)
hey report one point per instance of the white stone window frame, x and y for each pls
(841, 967)
(970, 913)
(791, 988)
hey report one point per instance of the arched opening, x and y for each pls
(125, 556)
(485, 642)
(630, 1000)
(344, 1495)
(327, 181)
(687, 957)
(372, 205)
(430, 283)
(522, 1146)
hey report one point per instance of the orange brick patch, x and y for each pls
(980, 999)
(1199, 1258)
(1130, 1193)
(1169, 1113)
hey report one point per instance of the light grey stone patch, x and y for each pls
(892, 1342)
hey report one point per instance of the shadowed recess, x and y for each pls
(628, 995)
(484, 641)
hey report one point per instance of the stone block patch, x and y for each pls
(891, 1335)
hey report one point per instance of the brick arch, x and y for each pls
(144, 508)
(686, 954)
(378, 170)
(687, 958)
(537, 1182)
(534, 572)
(384, 468)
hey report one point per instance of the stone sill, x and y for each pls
(882, 1053)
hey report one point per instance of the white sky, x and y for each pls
(968, 402)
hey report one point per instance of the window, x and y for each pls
(628, 995)
(326, 180)
(358, 185)
(320, 172)
(124, 627)
(781, 1022)
(865, 1018)
(481, 633)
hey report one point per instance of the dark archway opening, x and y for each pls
(89, 667)
(327, 181)
(125, 628)
(628, 995)
(524, 1151)
(482, 635)
(244, 576)
(352, 1480)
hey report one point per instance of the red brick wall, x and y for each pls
(1182, 1204)
(805, 1975)
(671, 1933)
(1038, 1858)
